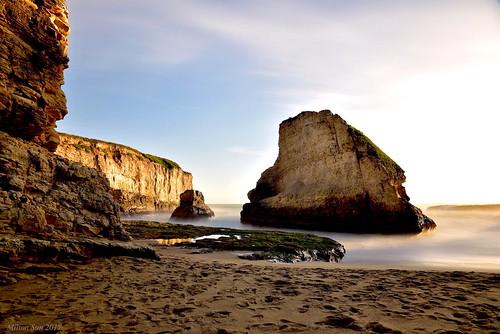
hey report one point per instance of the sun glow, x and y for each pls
(440, 126)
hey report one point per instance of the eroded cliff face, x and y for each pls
(33, 56)
(141, 182)
(330, 176)
(45, 195)
(51, 209)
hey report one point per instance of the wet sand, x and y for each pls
(217, 293)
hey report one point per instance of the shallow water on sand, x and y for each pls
(466, 240)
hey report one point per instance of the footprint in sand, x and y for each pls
(304, 308)
(218, 314)
(377, 327)
(340, 321)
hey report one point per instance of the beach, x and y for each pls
(249, 167)
(219, 293)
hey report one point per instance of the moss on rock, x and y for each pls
(284, 245)
(376, 151)
(165, 163)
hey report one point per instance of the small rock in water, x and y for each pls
(192, 206)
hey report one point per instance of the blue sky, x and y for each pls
(206, 83)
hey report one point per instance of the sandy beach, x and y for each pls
(249, 166)
(218, 293)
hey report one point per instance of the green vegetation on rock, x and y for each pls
(376, 151)
(165, 163)
(269, 242)
(80, 147)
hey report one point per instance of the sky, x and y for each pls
(206, 83)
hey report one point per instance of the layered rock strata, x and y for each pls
(140, 182)
(330, 176)
(12, 250)
(50, 208)
(45, 195)
(33, 56)
(192, 206)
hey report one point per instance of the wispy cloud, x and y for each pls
(359, 48)
(420, 77)
(355, 47)
(126, 34)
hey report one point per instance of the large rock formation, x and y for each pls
(33, 56)
(192, 206)
(50, 207)
(330, 176)
(141, 182)
(45, 195)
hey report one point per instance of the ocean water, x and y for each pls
(468, 240)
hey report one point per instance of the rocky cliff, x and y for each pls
(33, 56)
(329, 176)
(45, 195)
(141, 181)
(50, 208)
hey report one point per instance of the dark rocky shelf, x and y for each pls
(270, 245)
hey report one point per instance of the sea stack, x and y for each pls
(192, 206)
(329, 176)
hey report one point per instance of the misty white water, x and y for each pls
(463, 240)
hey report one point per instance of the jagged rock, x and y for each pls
(42, 194)
(264, 245)
(299, 255)
(141, 182)
(49, 206)
(330, 176)
(81, 249)
(33, 56)
(192, 206)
